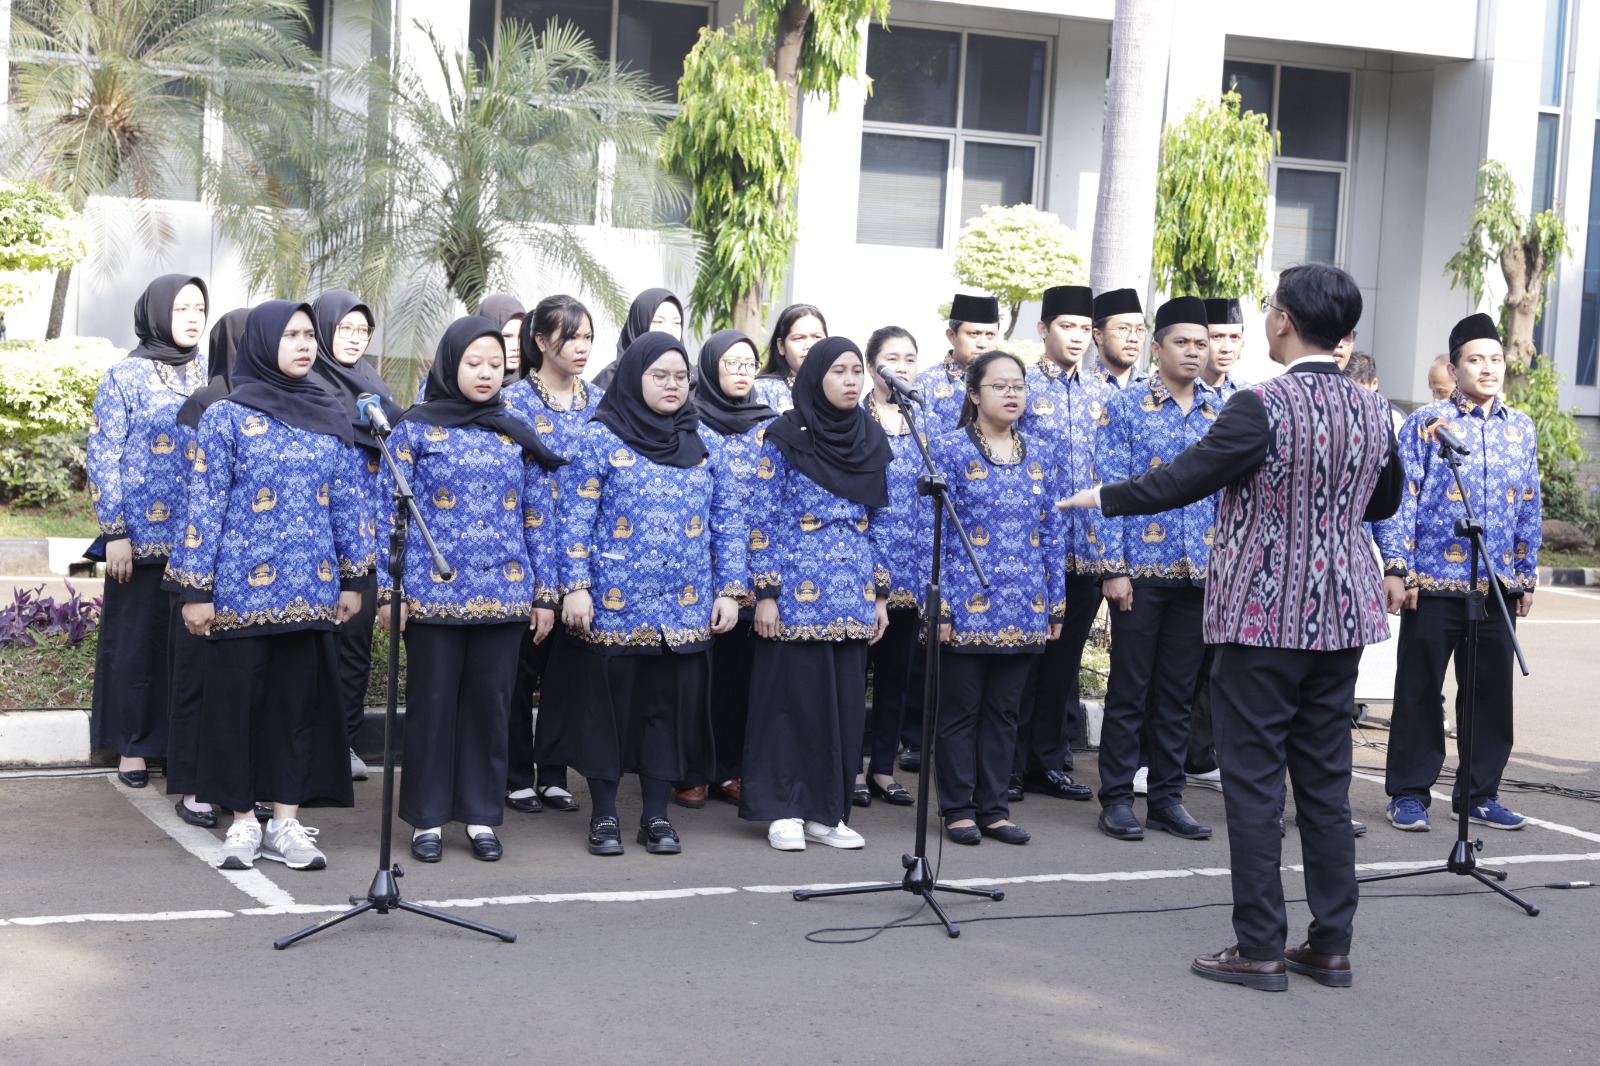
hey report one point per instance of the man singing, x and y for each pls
(1302, 460)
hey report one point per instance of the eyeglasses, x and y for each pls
(359, 333)
(1268, 305)
(662, 378)
(741, 368)
(1002, 388)
(1124, 331)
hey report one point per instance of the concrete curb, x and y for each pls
(46, 557)
(1569, 576)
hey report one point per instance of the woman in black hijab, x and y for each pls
(136, 476)
(507, 313)
(653, 310)
(818, 562)
(653, 568)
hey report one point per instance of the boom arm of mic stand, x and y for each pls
(402, 491)
(941, 495)
(1475, 531)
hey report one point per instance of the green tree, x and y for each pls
(1015, 253)
(1211, 201)
(39, 230)
(735, 138)
(110, 97)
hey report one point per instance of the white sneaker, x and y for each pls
(1209, 779)
(292, 845)
(242, 846)
(785, 834)
(1141, 781)
(358, 767)
(839, 836)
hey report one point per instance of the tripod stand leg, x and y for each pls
(327, 923)
(995, 894)
(1532, 909)
(440, 916)
(950, 927)
(1403, 873)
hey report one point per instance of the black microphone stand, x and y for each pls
(919, 879)
(1463, 859)
(383, 895)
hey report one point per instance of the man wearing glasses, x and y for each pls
(1119, 333)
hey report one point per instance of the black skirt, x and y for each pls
(130, 667)
(732, 654)
(563, 702)
(270, 726)
(808, 710)
(186, 666)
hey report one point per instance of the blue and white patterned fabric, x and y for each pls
(822, 557)
(1146, 428)
(491, 512)
(741, 452)
(1219, 395)
(944, 389)
(654, 544)
(135, 463)
(277, 526)
(906, 524)
(776, 393)
(530, 401)
(1010, 517)
(1501, 475)
(1098, 371)
(1066, 411)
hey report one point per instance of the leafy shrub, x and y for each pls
(1015, 253)
(33, 616)
(1536, 391)
(48, 386)
(43, 470)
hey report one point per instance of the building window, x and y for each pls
(955, 123)
(1310, 110)
(649, 36)
(315, 36)
(1589, 319)
(1553, 68)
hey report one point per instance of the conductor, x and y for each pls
(1293, 594)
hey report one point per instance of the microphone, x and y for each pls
(1440, 431)
(898, 387)
(371, 409)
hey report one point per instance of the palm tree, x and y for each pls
(110, 97)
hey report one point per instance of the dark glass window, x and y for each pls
(1305, 227)
(480, 30)
(902, 192)
(1005, 85)
(914, 75)
(1552, 71)
(1589, 319)
(994, 175)
(655, 38)
(1314, 113)
(1544, 162)
(315, 36)
(593, 17)
(1253, 83)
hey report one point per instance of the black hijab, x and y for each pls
(445, 405)
(845, 452)
(258, 383)
(718, 410)
(671, 440)
(220, 353)
(345, 383)
(638, 324)
(152, 320)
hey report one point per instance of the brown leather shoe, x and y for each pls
(1230, 967)
(693, 798)
(1330, 970)
(729, 791)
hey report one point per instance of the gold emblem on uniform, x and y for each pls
(189, 451)
(943, 390)
(435, 433)
(1208, 411)
(1155, 461)
(322, 494)
(579, 550)
(1454, 492)
(1527, 492)
(192, 538)
(870, 593)
(980, 536)
(694, 527)
(758, 540)
(1456, 552)
(862, 523)
(403, 453)
(1033, 538)
(1043, 406)
(157, 512)
(1153, 533)
(509, 500)
(1514, 434)
(623, 457)
(372, 464)
(613, 600)
(162, 444)
(532, 518)
(1150, 402)
(810, 523)
(325, 570)
(623, 529)
(590, 489)
(504, 438)
(807, 592)
(1210, 535)
(513, 571)
(1522, 549)
(265, 500)
(688, 597)
(1511, 494)
(94, 492)
(976, 470)
(542, 424)
(1038, 603)
(443, 498)
(765, 469)
(1036, 471)
(254, 425)
(1103, 416)
(94, 423)
(262, 575)
(977, 603)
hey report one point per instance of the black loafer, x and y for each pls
(966, 834)
(910, 760)
(1176, 820)
(1118, 821)
(1007, 834)
(860, 797)
(895, 793)
(263, 812)
(556, 803)
(659, 838)
(486, 846)
(525, 804)
(1015, 793)
(1358, 828)
(134, 778)
(1058, 784)
(605, 837)
(203, 819)
(427, 847)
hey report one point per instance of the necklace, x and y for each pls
(1018, 449)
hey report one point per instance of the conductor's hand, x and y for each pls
(880, 620)
(348, 607)
(577, 610)
(1083, 499)
(383, 615)
(724, 614)
(767, 622)
(542, 622)
(119, 560)
(1119, 590)
(197, 618)
(1524, 604)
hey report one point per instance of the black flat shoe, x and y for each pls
(1014, 790)
(910, 760)
(605, 837)
(1176, 820)
(525, 804)
(556, 803)
(860, 796)
(1007, 834)
(203, 819)
(895, 793)
(659, 838)
(1118, 822)
(486, 846)
(134, 778)
(427, 847)
(263, 812)
(1056, 783)
(966, 834)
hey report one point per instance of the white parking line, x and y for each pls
(1557, 827)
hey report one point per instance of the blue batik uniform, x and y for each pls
(1066, 411)
(776, 393)
(740, 452)
(944, 388)
(654, 544)
(1105, 377)
(905, 526)
(1501, 475)
(560, 430)
(822, 557)
(277, 526)
(135, 459)
(1009, 513)
(492, 514)
(1219, 394)
(1145, 429)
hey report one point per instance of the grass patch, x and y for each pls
(72, 517)
(1581, 558)
(50, 674)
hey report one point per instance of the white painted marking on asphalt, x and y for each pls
(202, 845)
(1559, 622)
(1570, 831)
(582, 897)
(158, 916)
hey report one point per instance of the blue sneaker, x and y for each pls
(1407, 814)
(1491, 814)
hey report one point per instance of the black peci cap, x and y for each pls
(1067, 300)
(1224, 312)
(1117, 302)
(1478, 327)
(981, 309)
(1182, 310)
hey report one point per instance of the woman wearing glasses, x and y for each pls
(652, 566)
(1003, 485)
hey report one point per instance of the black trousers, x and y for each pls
(129, 714)
(1202, 757)
(1428, 637)
(648, 714)
(458, 695)
(1156, 650)
(911, 713)
(522, 763)
(355, 663)
(1279, 708)
(186, 667)
(1052, 716)
(980, 696)
(891, 660)
(732, 654)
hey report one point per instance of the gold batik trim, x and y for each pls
(297, 610)
(1009, 637)
(1184, 569)
(900, 598)
(190, 579)
(838, 629)
(477, 609)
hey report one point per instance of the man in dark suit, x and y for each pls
(1293, 593)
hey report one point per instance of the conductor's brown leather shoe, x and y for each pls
(1330, 970)
(1230, 967)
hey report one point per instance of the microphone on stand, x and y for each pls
(898, 386)
(371, 409)
(1440, 431)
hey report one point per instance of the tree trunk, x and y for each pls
(1523, 267)
(1130, 144)
(749, 314)
(58, 304)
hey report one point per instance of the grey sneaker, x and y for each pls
(358, 769)
(292, 845)
(242, 846)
